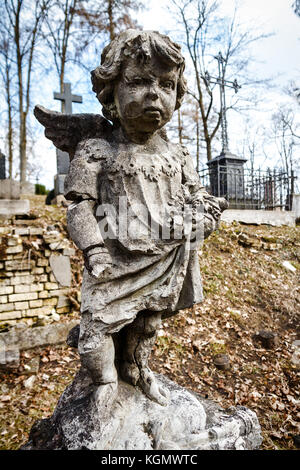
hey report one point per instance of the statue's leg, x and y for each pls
(97, 352)
(139, 340)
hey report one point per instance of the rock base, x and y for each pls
(128, 420)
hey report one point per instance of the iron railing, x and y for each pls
(250, 189)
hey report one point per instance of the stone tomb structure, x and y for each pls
(138, 271)
(10, 202)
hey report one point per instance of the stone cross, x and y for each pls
(222, 84)
(62, 158)
(67, 98)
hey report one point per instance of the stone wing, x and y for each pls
(67, 130)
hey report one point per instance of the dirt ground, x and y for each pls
(247, 289)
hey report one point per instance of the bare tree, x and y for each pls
(23, 21)
(6, 74)
(296, 6)
(185, 128)
(57, 33)
(285, 134)
(206, 32)
(71, 26)
(110, 16)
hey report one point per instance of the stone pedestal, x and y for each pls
(63, 163)
(128, 420)
(226, 174)
(9, 189)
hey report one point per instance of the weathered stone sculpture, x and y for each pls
(138, 213)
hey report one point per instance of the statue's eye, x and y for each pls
(136, 81)
(169, 84)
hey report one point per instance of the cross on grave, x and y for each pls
(220, 80)
(67, 98)
(62, 158)
(226, 171)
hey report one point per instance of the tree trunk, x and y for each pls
(22, 141)
(197, 140)
(9, 112)
(10, 143)
(23, 145)
(179, 127)
(110, 20)
(208, 150)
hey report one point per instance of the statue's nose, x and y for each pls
(152, 92)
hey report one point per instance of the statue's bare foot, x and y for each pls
(151, 387)
(130, 372)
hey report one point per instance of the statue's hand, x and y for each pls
(98, 262)
(223, 203)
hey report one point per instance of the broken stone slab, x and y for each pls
(18, 339)
(10, 207)
(61, 269)
(131, 421)
(259, 217)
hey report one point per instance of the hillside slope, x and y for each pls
(247, 289)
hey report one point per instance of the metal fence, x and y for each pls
(250, 189)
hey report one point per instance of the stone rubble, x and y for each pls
(35, 273)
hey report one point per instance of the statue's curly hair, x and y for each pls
(140, 45)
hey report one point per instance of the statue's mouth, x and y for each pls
(152, 112)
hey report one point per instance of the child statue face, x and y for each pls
(145, 96)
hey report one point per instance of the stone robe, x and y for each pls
(150, 270)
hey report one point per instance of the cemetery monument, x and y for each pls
(226, 171)
(62, 158)
(139, 214)
(10, 202)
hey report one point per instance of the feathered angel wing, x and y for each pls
(67, 130)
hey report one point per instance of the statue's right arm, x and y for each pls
(81, 189)
(82, 224)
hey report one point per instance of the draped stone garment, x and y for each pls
(153, 272)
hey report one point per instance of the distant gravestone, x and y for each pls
(61, 268)
(10, 202)
(2, 166)
(62, 158)
(227, 176)
(9, 189)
